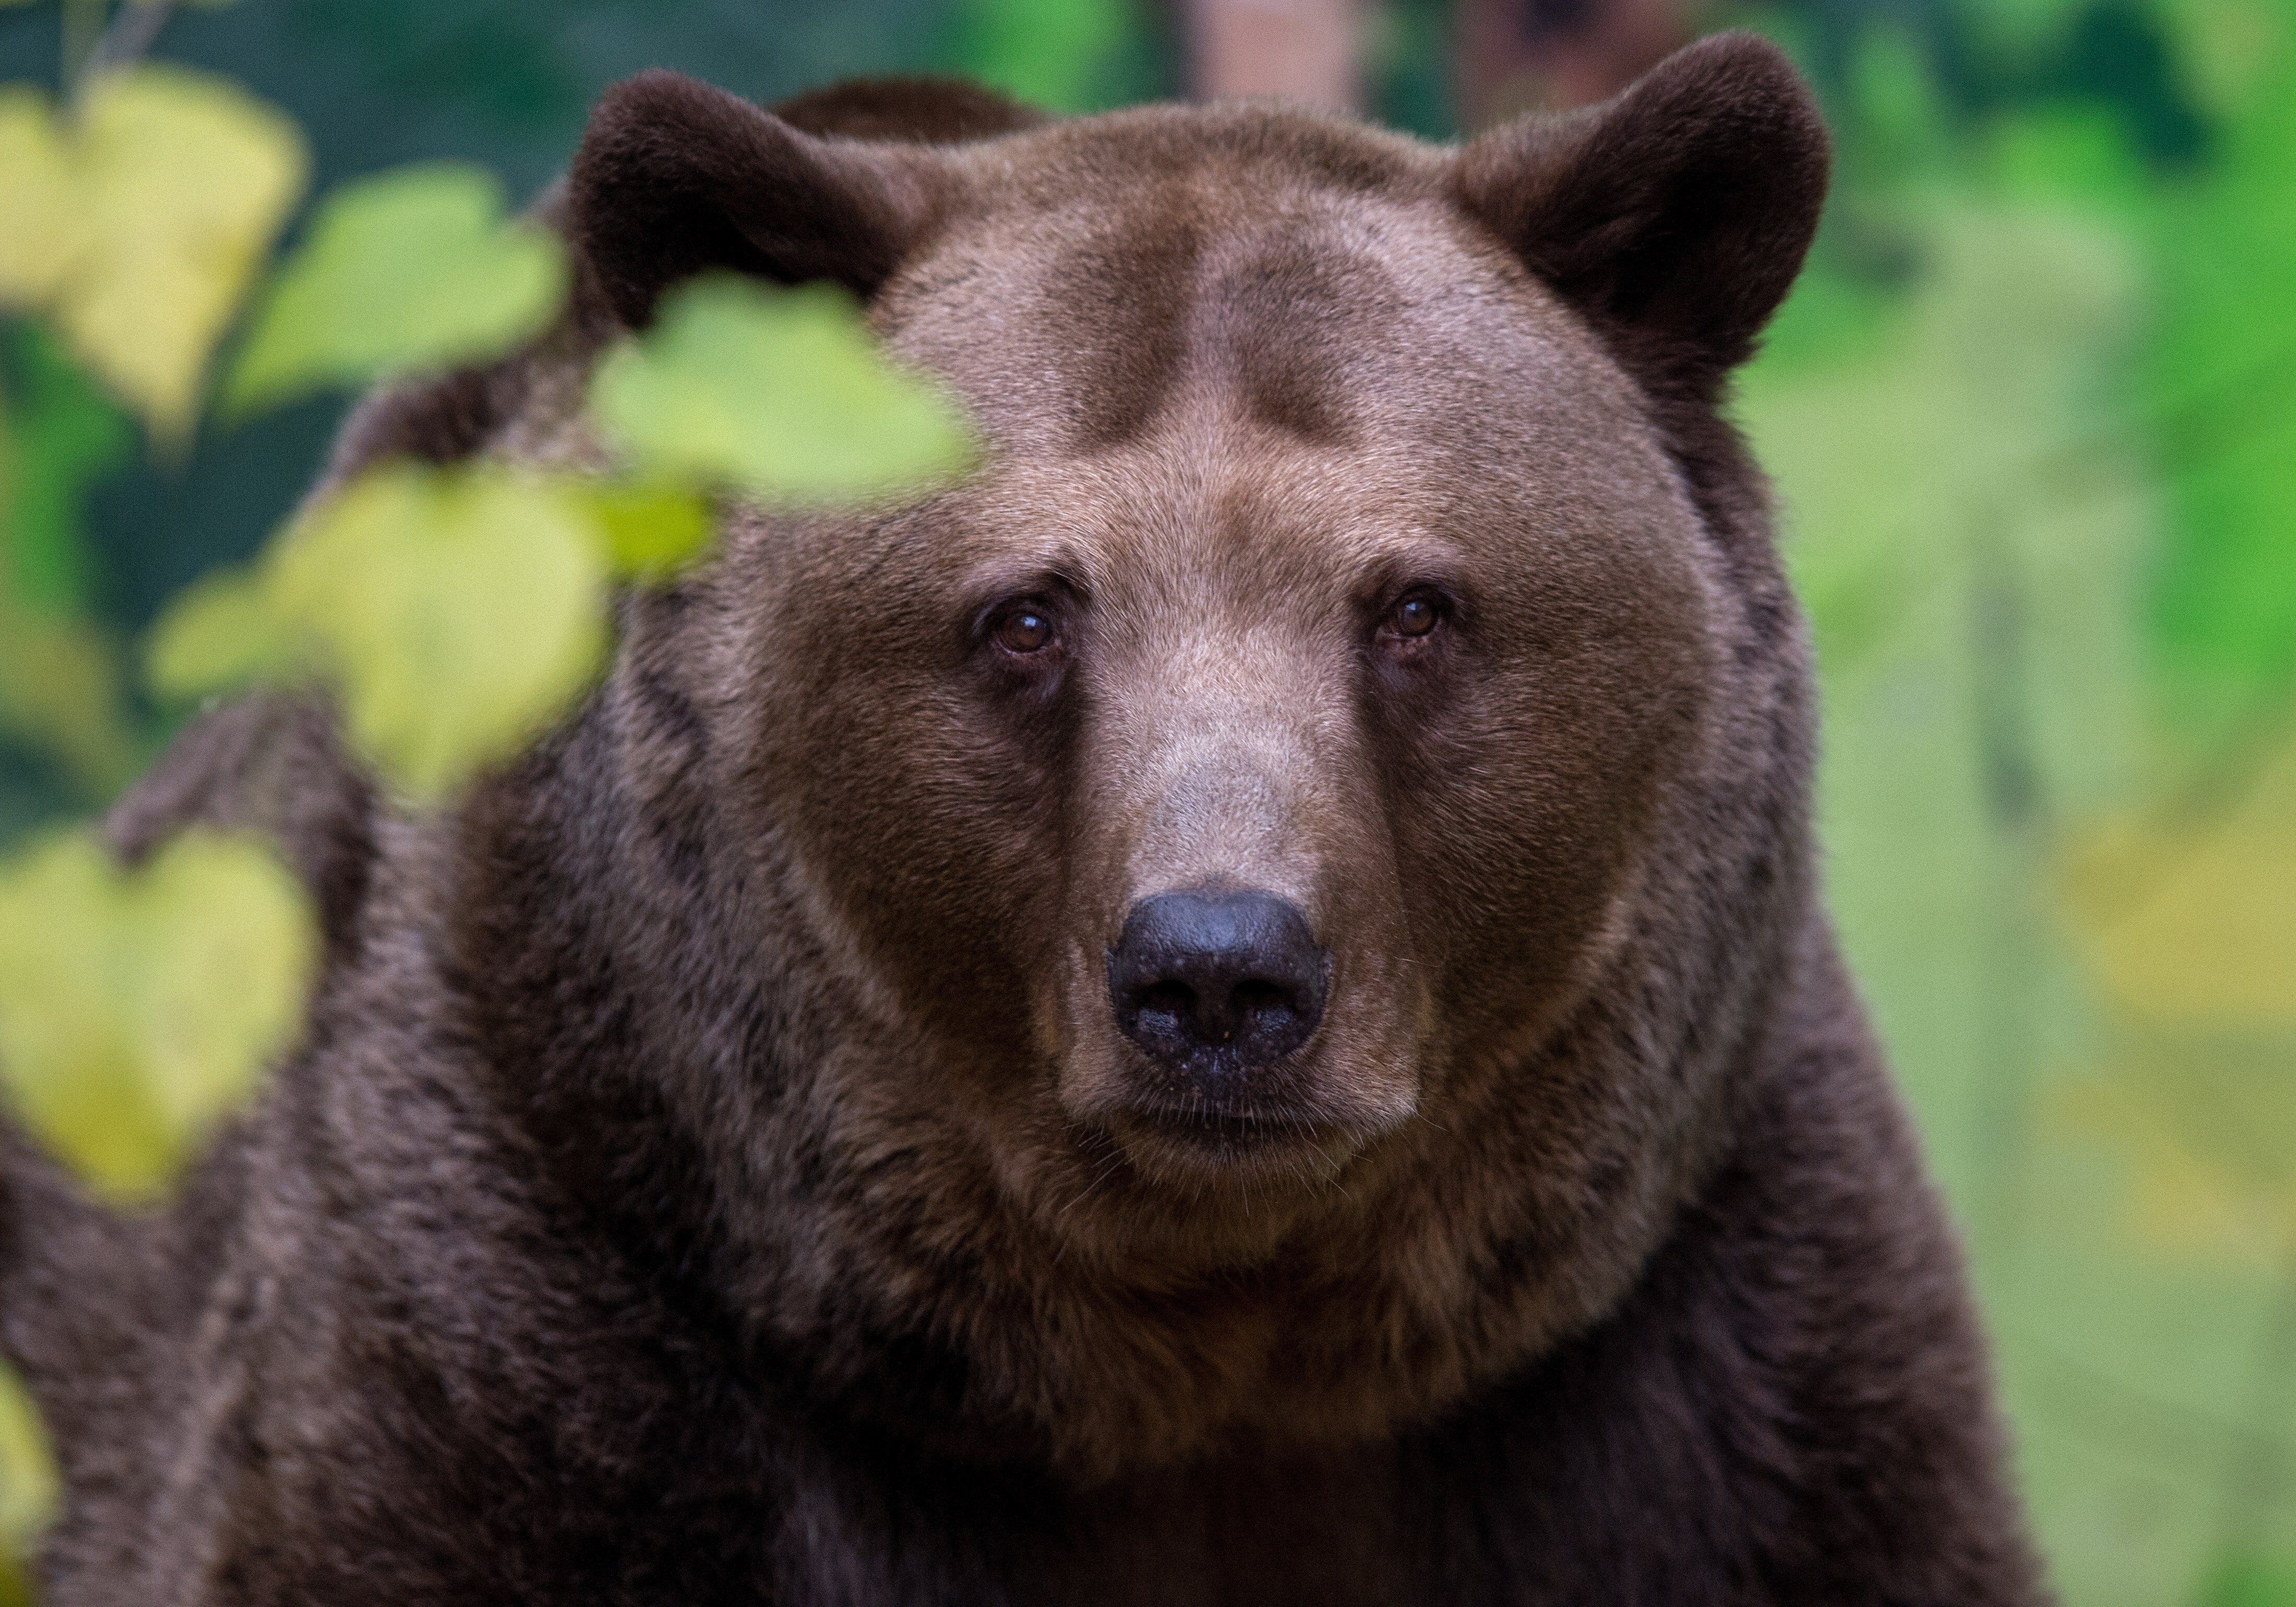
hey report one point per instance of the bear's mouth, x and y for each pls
(1205, 1135)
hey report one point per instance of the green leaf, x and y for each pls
(136, 1008)
(221, 631)
(60, 689)
(461, 612)
(784, 394)
(413, 270)
(649, 532)
(458, 612)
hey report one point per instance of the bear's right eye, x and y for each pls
(1025, 628)
(1414, 617)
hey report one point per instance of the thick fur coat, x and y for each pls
(720, 1167)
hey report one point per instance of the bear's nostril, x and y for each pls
(1264, 1006)
(1212, 985)
(1166, 1005)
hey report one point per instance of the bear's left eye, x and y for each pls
(1413, 618)
(1025, 628)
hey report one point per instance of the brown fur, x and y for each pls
(714, 1172)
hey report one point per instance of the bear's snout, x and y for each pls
(1216, 987)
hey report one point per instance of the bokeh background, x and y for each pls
(2033, 415)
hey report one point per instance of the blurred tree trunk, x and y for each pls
(1522, 55)
(1301, 50)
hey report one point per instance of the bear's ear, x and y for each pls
(674, 176)
(1676, 215)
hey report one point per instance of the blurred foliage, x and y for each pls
(60, 684)
(648, 529)
(455, 611)
(2224, 607)
(685, 405)
(2187, 919)
(2246, 1581)
(2030, 413)
(379, 84)
(459, 611)
(152, 207)
(1407, 67)
(136, 1006)
(354, 304)
(29, 1490)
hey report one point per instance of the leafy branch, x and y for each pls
(454, 611)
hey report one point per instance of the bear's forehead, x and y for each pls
(1298, 277)
(1252, 145)
(1223, 358)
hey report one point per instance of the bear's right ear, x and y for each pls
(1674, 217)
(674, 177)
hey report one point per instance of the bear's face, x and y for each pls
(1334, 685)
(1255, 737)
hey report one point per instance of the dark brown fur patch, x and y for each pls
(1124, 297)
(1284, 312)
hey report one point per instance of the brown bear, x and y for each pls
(1232, 1009)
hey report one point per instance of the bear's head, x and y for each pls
(1298, 840)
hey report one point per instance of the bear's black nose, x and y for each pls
(1216, 984)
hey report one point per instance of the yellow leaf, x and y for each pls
(785, 394)
(60, 688)
(27, 1475)
(412, 270)
(461, 612)
(46, 226)
(220, 631)
(2216, 941)
(2194, 924)
(136, 1008)
(650, 531)
(2194, 1196)
(185, 180)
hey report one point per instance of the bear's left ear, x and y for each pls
(1676, 215)
(674, 176)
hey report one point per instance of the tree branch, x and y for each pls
(133, 30)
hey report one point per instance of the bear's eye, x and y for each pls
(1025, 628)
(1414, 615)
